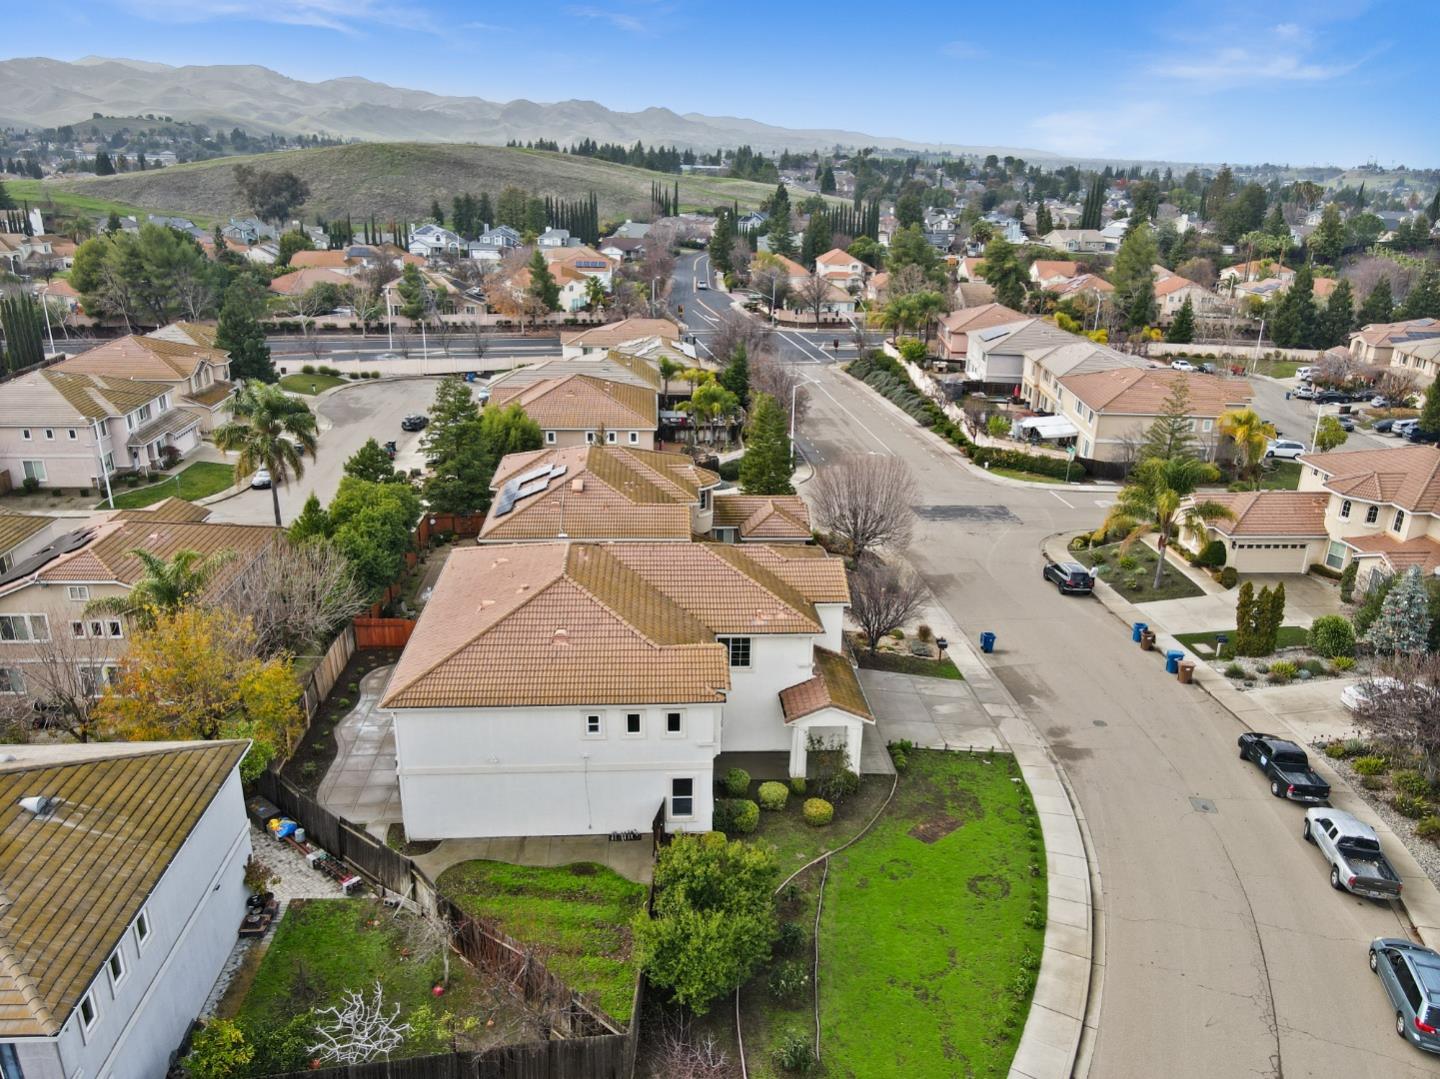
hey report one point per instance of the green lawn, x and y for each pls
(1032, 477)
(1281, 476)
(310, 384)
(923, 933)
(200, 480)
(1203, 644)
(796, 842)
(578, 914)
(903, 664)
(1136, 581)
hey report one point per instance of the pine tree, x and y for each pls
(240, 334)
(1001, 270)
(542, 282)
(1182, 329)
(1044, 224)
(722, 240)
(765, 468)
(1379, 306)
(1328, 239)
(1297, 320)
(1424, 298)
(312, 522)
(816, 240)
(436, 213)
(1172, 432)
(103, 165)
(1275, 225)
(1429, 420)
(735, 376)
(1403, 626)
(1134, 277)
(1339, 317)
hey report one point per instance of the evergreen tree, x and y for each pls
(6, 202)
(1274, 617)
(765, 469)
(1379, 306)
(1297, 320)
(827, 180)
(453, 408)
(1339, 317)
(1134, 276)
(484, 212)
(1403, 626)
(311, 523)
(373, 464)
(816, 240)
(112, 223)
(722, 241)
(1429, 420)
(1094, 204)
(1424, 298)
(1044, 224)
(240, 334)
(23, 324)
(1002, 272)
(1182, 329)
(1275, 225)
(1243, 644)
(1172, 433)
(1328, 239)
(436, 213)
(103, 165)
(735, 376)
(542, 282)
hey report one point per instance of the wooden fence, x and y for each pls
(320, 681)
(456, 524)
(607, 1057)
(382, 632)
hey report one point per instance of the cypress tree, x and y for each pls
(1379, 306)
(239, 333)
(1429, 421)
(765, 468)
(23, 324)
(1339, 317)
(1182, 329)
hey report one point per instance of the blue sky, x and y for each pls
(1297, 81)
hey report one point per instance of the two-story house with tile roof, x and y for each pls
(123, 871)
(576, 688)
(583, 410)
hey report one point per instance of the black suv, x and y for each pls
(417, 422)
(1070, 577)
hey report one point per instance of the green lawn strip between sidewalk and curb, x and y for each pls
(310, 385)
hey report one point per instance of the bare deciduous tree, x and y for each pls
(679, 1053)
(865, 502)
(810, 295)
(735, 330)
(64, 676)
(779, 379)
(883, 597)
(296, 596)
(1400, 702)
(1399, 384)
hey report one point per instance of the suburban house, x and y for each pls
(1171, 293)
(968, 268)
(1047, 365)
(124, 879)
(740, 518)
(841, 268)
(18, 251)
(613, 366)
(574, 286)
(956, 327)
(622, 248)
(1047, 273)
(492, 244)
(1255, 270)
(581, 260)
(578, 689)
(1087, 241)
(637, 230)
(299, 282)
(1421, 356)
(181, 358)
(995, 354)
(21, 535)
(1089, 286)
(339, 261)
(583, 410)
(1374, 343)
(601, 339)
(44, 595)
(1112, 409)
(553, 237)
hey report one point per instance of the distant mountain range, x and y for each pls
(39, 92)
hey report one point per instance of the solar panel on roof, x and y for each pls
(525, 490)
(506, 502)
(533, 474)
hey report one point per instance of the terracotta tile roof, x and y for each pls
(956, 326)
(299, 281)
(1085, 282)
(173, 422)
(53, 397)
(835, 685)
(1408, 476)
(792, 268)
(614, 366)
(334, 260)
(763, 516)
(807, 569)
(1250, 270)
(1324, 286)
(1047, 268)
(1272, 513)
(74, 882)
(212, 394)
(583, 403)
(199, 334)
(143, 358)
(1379, 333)
(1174, 283)
(836, 257)
(16, 528)
(613, 334)
(1419, 551)
(1142, 391)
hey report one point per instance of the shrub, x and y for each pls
(1428, 827)
(737, 782)
(1229, 576)
(1335, 750)
(737, 815)
(1212, 554)
(1408, 781)
(1347, 582)
(790, 939)
(818, 812)
(217, 1050)
(795, 1053)
(1126, 561)
(797, 784)
(897, 634)
(1408, 805)
(30, 485)
(307, 369)
(838, 786)
(1370, 766)
(901, 762)
(1282, 670)
(1262, 668)
(1356, 747)
(1332, 635)
(924, 632)
(787, 978)
(1341, 664)
(1372, 783)
(1234, 670)
(1079, 543)
(920, 648)
(773, 795)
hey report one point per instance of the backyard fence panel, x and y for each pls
(383, 632)
(320, 681)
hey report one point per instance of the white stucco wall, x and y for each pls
(467, 773)
(193, 914)
(753, 720)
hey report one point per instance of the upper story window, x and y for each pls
(79, 593)
(738, 649)
(1345, 509)
(550, 437)
(88, 1012)
(25, 433)
(705, 498)
(142, 929)
(594, 725)
(24, 627)
(115, 966)
(72, 434)
(1399, 521)
(164, 402)
(1372, 514)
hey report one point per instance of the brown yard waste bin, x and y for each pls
(1147, 640)
(1186, 672)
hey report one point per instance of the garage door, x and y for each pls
(1268, 557)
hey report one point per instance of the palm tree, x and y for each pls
(165, 586)
(668, 370)
(1152, 502)
(1250, 433)
(271, 430)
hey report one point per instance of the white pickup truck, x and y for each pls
(1357, 864)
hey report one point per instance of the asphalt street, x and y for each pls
(1294, 418)
(1226, 951)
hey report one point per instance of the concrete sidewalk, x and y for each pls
(1301, 717)
(361, 784)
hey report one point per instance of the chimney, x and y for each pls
(577, 484)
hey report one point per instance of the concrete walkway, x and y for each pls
(361, 784)
(1302, 716)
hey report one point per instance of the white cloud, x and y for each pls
(1149, 130)
(342, 16)
(618, 19)
(962, 50)
(1233, 66)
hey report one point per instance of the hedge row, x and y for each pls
(884, 373)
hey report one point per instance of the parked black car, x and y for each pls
(417, 422)
(1333, 397)
(1070, 577)
(1417, 435)
(1382, 427)
(1286, 766)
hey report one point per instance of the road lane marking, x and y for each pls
(1071, 505)
(861, 423)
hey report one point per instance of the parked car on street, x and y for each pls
(1182, 365)
(1071, 577)
(1415, 434)
(1382, 427)
(1402, 428)
(415, 422)
(1333, 397)
(1410, 975)
(1347, 423)
(1305, 392)
(1286, 766)
(1304, 373)
(1285, 448)
(1357, 865)
(261, 480)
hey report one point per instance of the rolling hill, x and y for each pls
(399, 180)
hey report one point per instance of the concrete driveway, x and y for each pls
(361, 785)
(935, 713)
(1307, 597)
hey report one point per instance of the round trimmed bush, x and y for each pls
(737, 782)
(797, 784)
(1212, 554)
(1332, 635)
(818, 812)
(747, 816)
(1229, 576)
(773, 795)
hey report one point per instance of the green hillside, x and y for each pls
(399, 180)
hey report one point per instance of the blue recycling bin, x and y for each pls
(1137, 630)
(987, 641)
(1172, 661)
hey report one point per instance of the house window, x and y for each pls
(164, 402)
(589, 438)
(705, 498)
(1372, 514)
(34, 470)
(24, 627)
(142, 929)
(1207, 425)
(71, 434)
(550, 437)
(1399, 521)
(1345, 509)
(115, 965)
(77, 630)
(49, 434)
(610, 438)
(114, 628)
(78, 593)
(10, 1063)
(682, 798)
(634, 438)
(738, 648)
(726, 535)
(95, 678)
(130, 421)
(11, 680)
(88, 1014)
(97, 628)
(1335, 555)
(594, 725)
(674, 723)
(25, 433)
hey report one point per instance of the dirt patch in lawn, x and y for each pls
(935, 828)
